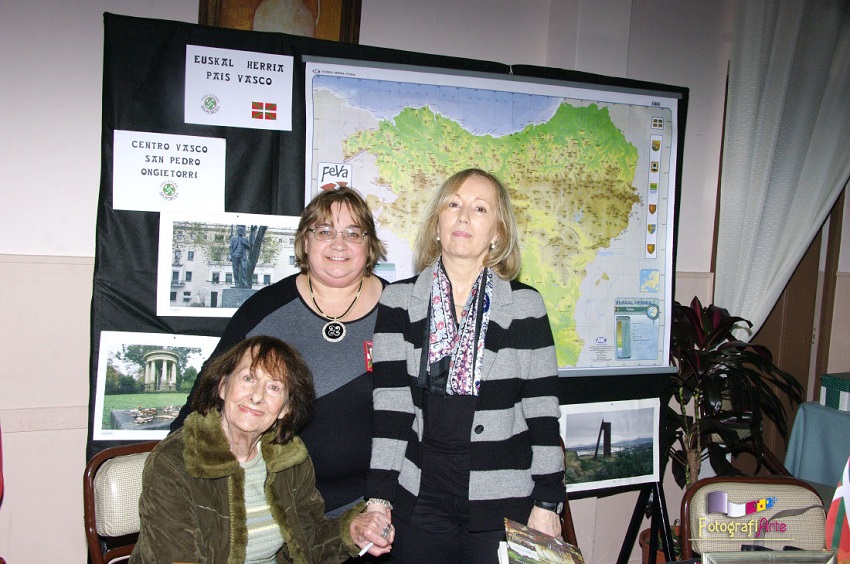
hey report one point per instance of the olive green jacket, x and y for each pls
(192, 506)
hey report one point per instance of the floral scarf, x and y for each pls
(455, 351)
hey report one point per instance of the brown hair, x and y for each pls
(320, 210)
(280, 361)
(504, 258)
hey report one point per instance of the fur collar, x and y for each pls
(206, 451)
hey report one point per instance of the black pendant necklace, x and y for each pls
(334, 329)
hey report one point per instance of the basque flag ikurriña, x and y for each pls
(837, 528)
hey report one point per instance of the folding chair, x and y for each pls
(112, 484)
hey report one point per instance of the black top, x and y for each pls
(446, 443)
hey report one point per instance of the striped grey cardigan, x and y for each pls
(516, 454)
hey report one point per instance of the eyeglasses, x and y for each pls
(350, 235)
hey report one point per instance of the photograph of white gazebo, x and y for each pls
(143, 381)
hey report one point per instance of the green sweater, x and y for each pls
(192, 506)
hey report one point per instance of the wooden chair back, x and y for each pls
(112, 484)
(771, 511)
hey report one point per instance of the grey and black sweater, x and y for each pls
(516, 456)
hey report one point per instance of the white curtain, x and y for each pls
(786, 153)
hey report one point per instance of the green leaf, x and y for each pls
(736, 385)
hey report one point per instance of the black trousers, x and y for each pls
(438, 533)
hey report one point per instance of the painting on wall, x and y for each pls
(335, 20)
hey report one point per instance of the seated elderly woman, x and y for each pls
(235, 483)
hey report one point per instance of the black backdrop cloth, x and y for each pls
(143, 86)
(143, 90)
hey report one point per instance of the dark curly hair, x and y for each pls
(280, 361)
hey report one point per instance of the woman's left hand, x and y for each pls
(545, 521)
(374, 527)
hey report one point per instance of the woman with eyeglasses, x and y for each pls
(235, 483)
(327, 312)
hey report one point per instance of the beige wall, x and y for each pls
(50, 158)
(839, 351)
(51, 53)
(43, 405)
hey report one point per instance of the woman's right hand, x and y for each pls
(374, 525)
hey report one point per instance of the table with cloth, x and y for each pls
(819, 444)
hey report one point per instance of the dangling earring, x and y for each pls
(438, 236)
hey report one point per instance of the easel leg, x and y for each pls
(634, 524)
(659, 519)
(661, 510)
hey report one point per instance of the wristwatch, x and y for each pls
(550, 506)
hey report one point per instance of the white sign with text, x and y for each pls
(238, 88)
(160, 172)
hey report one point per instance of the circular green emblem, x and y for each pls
(168, 190)
(209, 103)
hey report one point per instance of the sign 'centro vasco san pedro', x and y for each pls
(162, 172)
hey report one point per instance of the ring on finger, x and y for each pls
(385, 533)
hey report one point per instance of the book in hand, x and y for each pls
(527, 546)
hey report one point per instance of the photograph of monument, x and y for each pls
(143, 380)
(209, 265)
(610, 444)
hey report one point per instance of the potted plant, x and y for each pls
(724, 388)
(643, 542)
(734, 386)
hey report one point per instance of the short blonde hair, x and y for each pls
(504, 258)
(319, 210)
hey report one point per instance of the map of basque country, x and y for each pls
(583, 177)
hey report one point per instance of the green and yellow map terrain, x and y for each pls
(576, 166)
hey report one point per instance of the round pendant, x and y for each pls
(333, 331)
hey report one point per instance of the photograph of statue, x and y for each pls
(210, 264)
